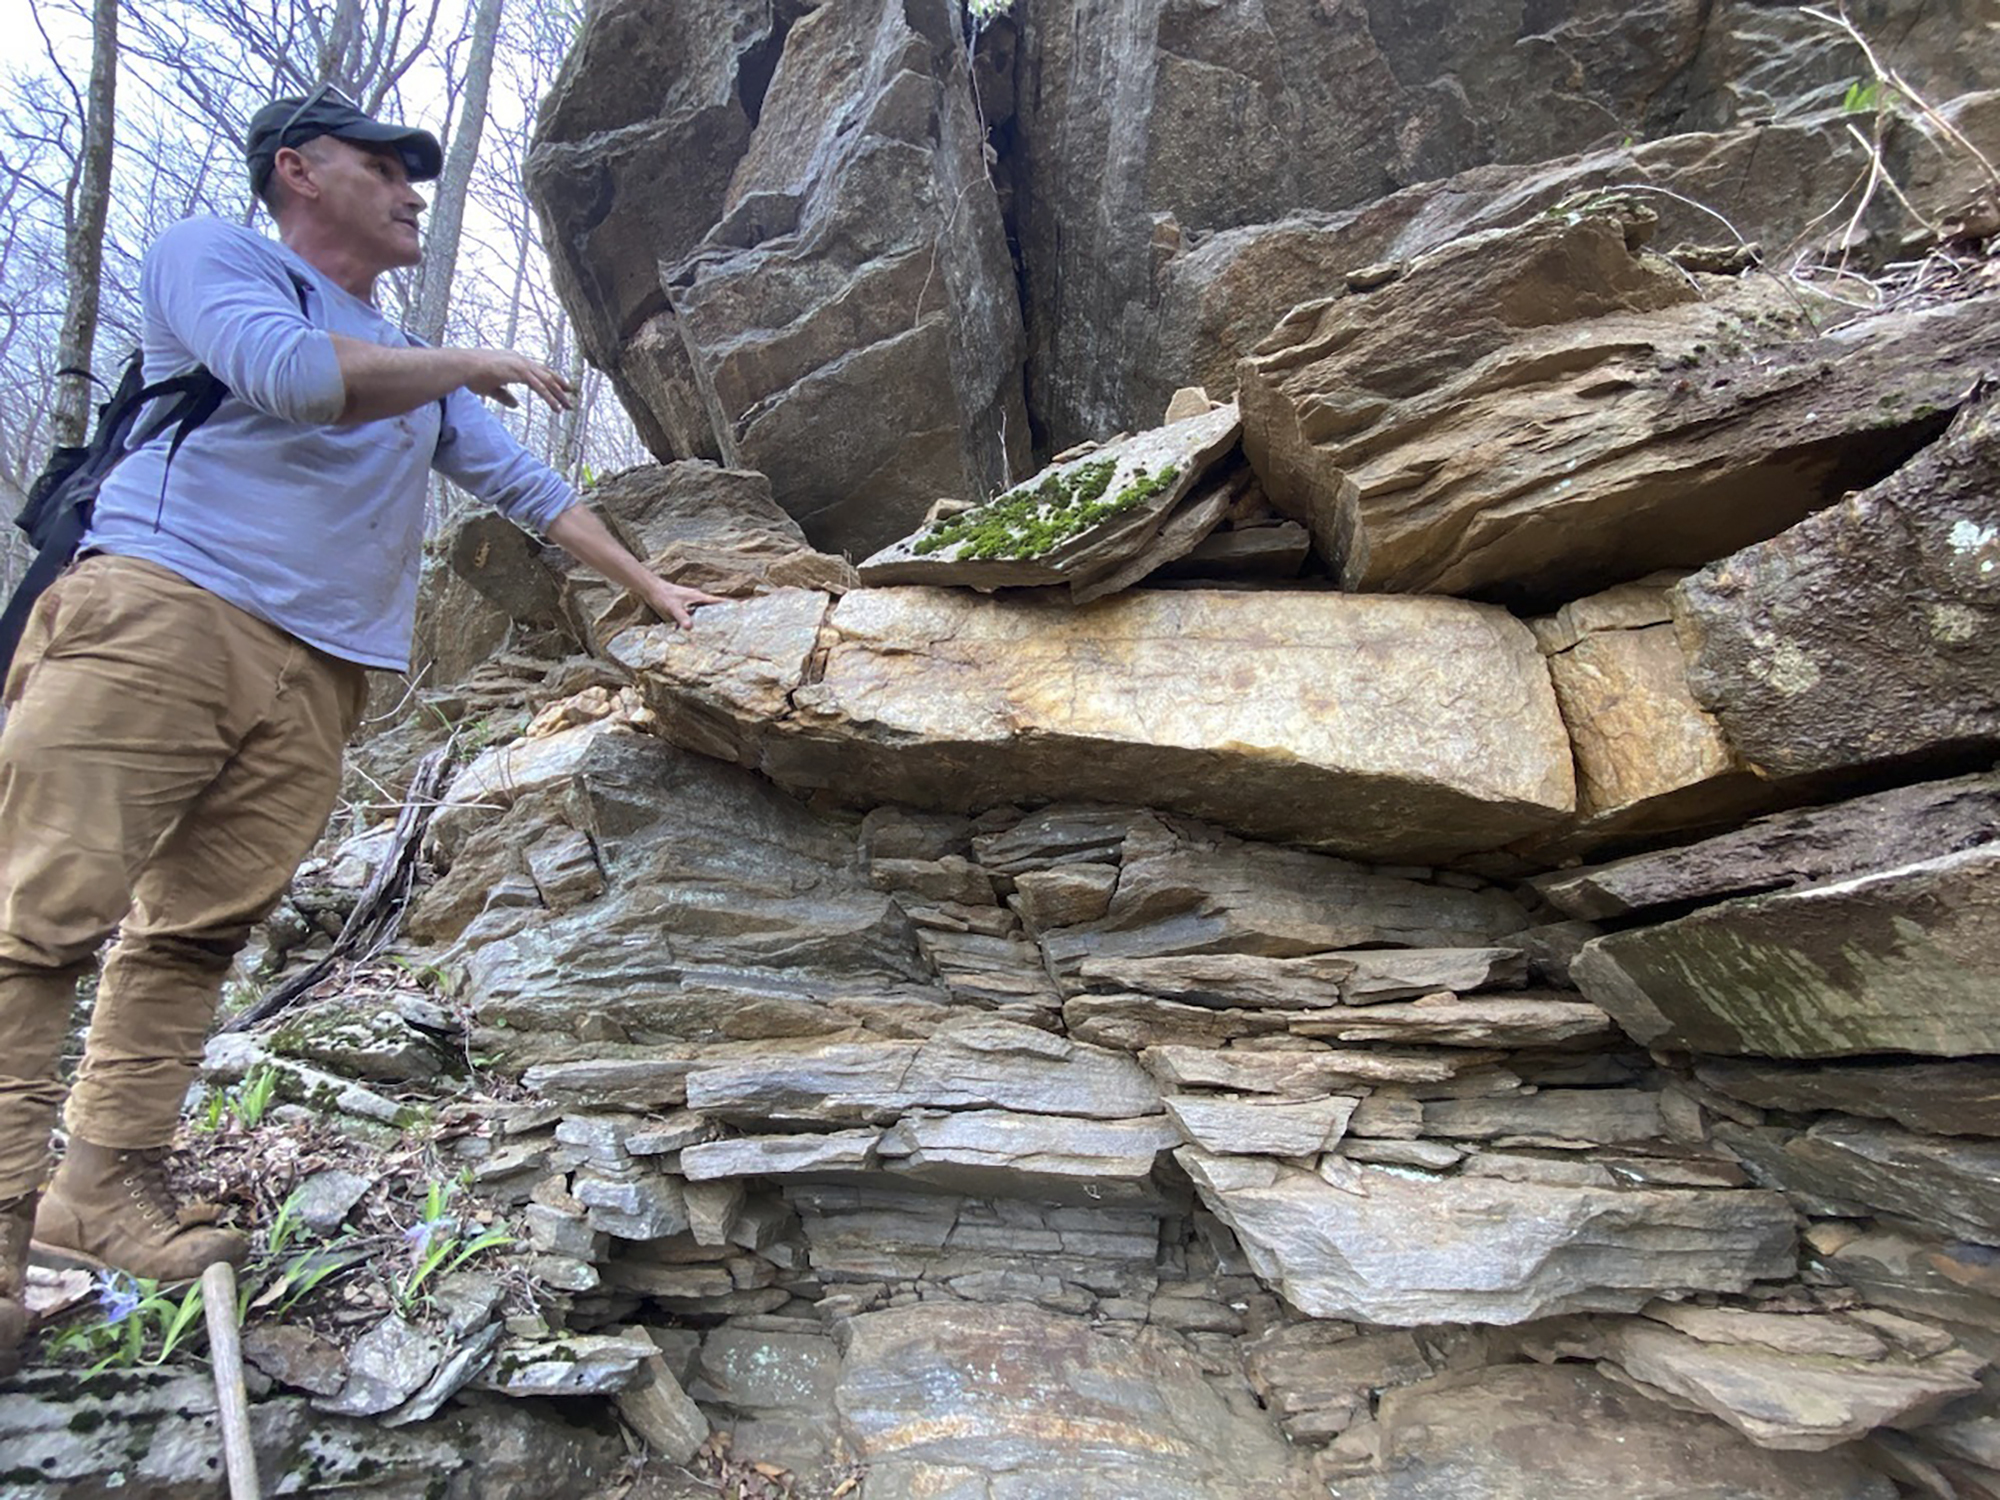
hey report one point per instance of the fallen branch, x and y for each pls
(372, 925)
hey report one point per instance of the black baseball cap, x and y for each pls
(327, 111)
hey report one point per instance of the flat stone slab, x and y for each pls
(1564, 1432)
(1480, 1021)
(573, 1365)
(999, 1151)
(1569, 1117)
(1950, 1186)
(1301, 717)
(1304, 1073)
(985, 1064)
(1901, 960)
(945, 1399)
(1791, 1401)
(1074, 523)
(1943, 1098)
(1261, 1127)
(1789, 850)
(781, 1155)
(1388, 1245)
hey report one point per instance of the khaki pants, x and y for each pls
(166, 762)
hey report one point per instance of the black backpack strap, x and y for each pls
(201, 393)
(49, 562)
(60, 502)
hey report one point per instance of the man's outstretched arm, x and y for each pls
(384, 382)
(579, 533)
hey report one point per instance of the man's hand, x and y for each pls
(579, 533)
(496, 369)
(673, 601)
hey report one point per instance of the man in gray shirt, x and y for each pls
(178, 705)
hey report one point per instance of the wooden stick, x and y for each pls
(225, 1349)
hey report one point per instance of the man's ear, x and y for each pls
(294, 169)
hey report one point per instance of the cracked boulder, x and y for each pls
(1649, 760)
(1298, 717)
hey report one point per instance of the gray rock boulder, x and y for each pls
(1897, 960)
(794, 250)
(1868, 634)
(633, 155)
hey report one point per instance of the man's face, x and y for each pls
(366, 195)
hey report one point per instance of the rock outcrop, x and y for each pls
(1102, 999)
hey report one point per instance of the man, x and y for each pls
(182, 693)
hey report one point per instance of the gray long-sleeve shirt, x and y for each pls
(315, 528)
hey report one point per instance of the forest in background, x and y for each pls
(121, 117)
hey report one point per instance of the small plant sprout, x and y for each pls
(247, 1103)
(440, 1244)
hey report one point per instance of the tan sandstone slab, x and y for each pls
(1791, 1401)
(1396, 728)
(1649, 759)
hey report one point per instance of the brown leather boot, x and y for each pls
(112, 1209)
(16, 1221)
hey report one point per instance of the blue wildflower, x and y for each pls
(118, 1295)
(419, 1234)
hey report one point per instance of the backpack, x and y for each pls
(61, 499)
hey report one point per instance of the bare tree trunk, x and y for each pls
(448, 211)
(83, 251)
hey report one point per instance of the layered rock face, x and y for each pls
(759, 211)
(1428, 932)
(1341, 1038)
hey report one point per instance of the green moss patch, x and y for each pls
(1031, 520)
